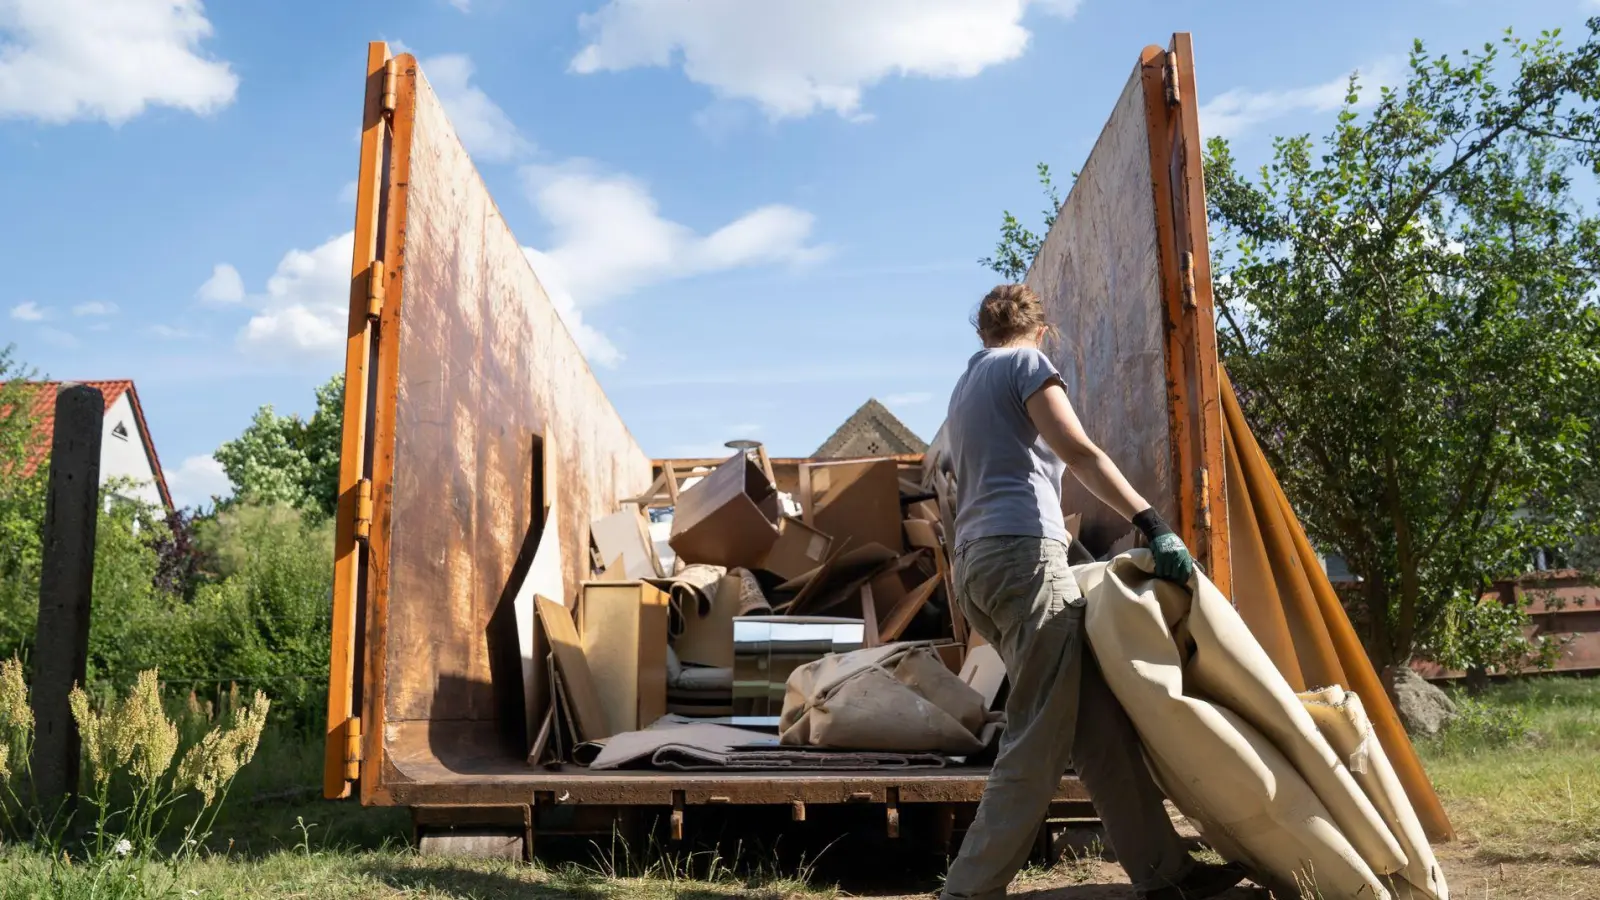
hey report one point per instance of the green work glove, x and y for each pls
(1173, 562)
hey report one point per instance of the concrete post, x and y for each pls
(61, 644)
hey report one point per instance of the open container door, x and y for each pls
(1125, 278)
(471, 417)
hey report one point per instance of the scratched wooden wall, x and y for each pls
(485, 366)
(1099, 276)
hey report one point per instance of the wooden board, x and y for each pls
(587, 707)
(474, 375)
(624, 632)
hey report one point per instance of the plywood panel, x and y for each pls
(483, 368)
(1099, 276)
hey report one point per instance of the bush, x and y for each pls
(1480, 725)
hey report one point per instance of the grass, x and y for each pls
(1520, 776)
(1530, 799)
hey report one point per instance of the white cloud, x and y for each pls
(610, 238)
(484, 128)
(95, 308)
(463, 5)
(224, 285)
(62, 60)
(1236, 111)
(347, 194)
(29, 312)
(197, 480)
(910, 398)
(305, 309)
(170, 333)
(795, 57)
(595, 346)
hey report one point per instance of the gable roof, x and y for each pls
(43, 412)
(871, 423)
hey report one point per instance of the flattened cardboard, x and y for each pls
(984, 672)
(921, 534)
(589, 716)
(799, 549)
(857, 501)
(623, 627)
(830, 597)
(896, 619)
(841, 570)
(952, 655)
(729, 518)
(625, 533)
(708, 640)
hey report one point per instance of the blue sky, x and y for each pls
(758, 213)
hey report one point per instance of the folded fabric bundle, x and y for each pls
(1238, 752)
(898, 698)
(672, 745)
(689, 593)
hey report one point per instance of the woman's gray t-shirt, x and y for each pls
(1008, 480)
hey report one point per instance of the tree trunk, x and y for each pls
(1477, 679)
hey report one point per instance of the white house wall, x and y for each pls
(123, 455)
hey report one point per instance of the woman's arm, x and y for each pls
(1052, 414)
(1058, 424)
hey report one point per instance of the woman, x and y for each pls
(1013, 436)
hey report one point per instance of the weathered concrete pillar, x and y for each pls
(61, 644)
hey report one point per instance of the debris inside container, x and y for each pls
(722, 613)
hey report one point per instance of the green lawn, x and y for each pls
(1534, 798)
(1520, 778)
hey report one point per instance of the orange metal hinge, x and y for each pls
(1169, 77)
(391, 74)
(352, 748)
(363, 509)
(375, 290)
(1186, 268)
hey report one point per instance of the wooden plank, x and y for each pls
(587, 708)
(623, 628)
(347, 552)
(474, 367)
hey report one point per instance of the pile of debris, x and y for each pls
(722, 648)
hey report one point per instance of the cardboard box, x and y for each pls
(800, 548)
(730, 518)
(858, 502)
(624, 631)
(625, 533)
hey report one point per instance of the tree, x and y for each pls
(287, 459)
(1018, 245)
(1408, 315)
(21, 505)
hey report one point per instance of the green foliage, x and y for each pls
(1409, 319)
(287, 459)
(153, 807)
(1480, 724)
(1018, 245)
(21, 504)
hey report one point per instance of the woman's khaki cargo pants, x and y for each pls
(1020, 595)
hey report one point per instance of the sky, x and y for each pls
(754, 214)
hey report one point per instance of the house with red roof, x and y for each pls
(126, 450)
